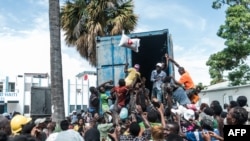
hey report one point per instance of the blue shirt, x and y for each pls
(157, 79)
(197, 135)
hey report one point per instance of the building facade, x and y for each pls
(15, 92)
(78, 91)
(224, 93)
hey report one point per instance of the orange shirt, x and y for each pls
(187, 81)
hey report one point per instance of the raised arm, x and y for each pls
(126, 68)
(160, 110)
(172, 60)
(103, 84)
(176, 82)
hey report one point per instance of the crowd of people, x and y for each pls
(129, 111)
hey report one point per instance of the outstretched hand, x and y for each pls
(139, 109)
(206, 136)
(115, 134)
(166, 55)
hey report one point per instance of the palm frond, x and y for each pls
(82, 21)
(71, 16)
(124, 19)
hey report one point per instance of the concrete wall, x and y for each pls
(225, 94)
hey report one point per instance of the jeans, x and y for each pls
(180, 96)
(157, 93)
(92, 110)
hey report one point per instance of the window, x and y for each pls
(85, 108)
(78, 91)
(1, 86)
(35, 84)
(11, 87)
(71, 108)
(78, 107)
(230, 98)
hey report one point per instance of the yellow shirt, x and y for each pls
(132, 76)
(76, 127)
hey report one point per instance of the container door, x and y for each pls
(170, 52)
(111, 59)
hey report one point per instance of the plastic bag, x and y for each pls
(179, 111)
(124, 113)
(189, 114)
(127, 42)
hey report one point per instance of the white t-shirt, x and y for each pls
(67, 135)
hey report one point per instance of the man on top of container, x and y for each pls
(185, 81)
(132, 74)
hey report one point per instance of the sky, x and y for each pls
(25, 43)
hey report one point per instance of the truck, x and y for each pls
(111, 58)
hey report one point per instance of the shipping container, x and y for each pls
(112, 58)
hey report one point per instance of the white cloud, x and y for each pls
(215, 44)
(74, 65)
(178, 48)
(39, 22)
(141, 28)
(29, 51)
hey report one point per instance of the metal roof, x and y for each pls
(86, 72)
(224, 88)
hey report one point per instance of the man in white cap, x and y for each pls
(157, 77)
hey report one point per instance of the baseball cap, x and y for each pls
(137, 66)
(40, 120)
(159, 64)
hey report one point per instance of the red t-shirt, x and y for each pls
(121, 94)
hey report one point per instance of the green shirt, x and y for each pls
(104, 99)
(152, 124)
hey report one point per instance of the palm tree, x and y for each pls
(56, 62)
(83, 20)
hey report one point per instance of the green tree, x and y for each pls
(235, 31)
(219, 3)
(219, 63)
(240, 76)
(201, 86)
(56, 62)
(83, 20)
